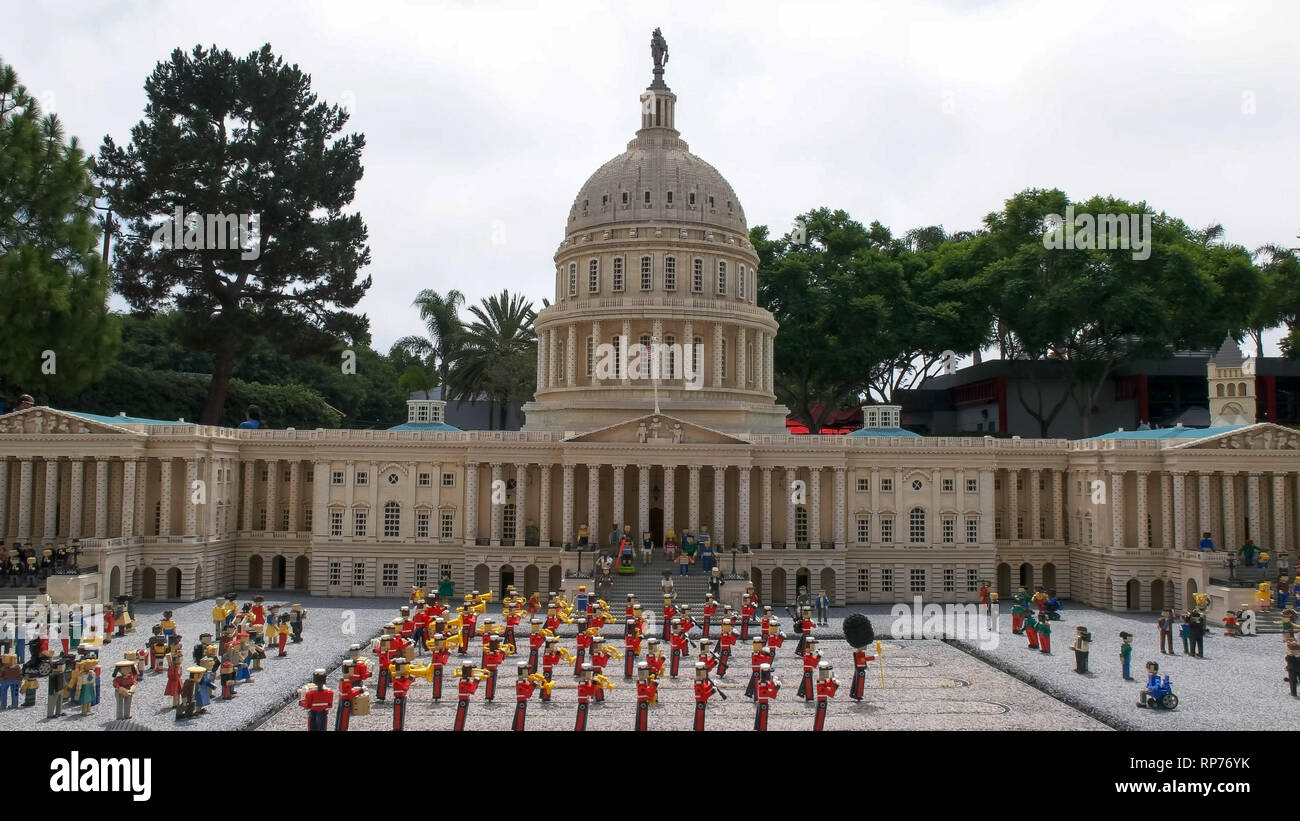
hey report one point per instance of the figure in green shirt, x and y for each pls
(1248, 552)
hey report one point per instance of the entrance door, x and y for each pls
(656, 527)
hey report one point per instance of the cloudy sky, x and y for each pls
(482, 120)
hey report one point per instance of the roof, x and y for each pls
(126, 420)
(435, 426)
(886, 433)
(1170, 433)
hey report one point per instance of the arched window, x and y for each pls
(1218, 389)
(740, 283)
(618, 274)
(916, 525)
(647, 273)
(593, 276)
(573, 279)
(670, 273)
(1232, 389)
(722, 277)
(697, 276)
(1241, 390)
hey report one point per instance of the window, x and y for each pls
(864, 580)
(1088, 520)
(287, 476)
(947, 486)
(392, 520)
(1020, 483)
(157, 519)
(918, 580)
(972, 530)
(388, 575)
(648, 353)
(696, 348)
(997, 526)
(336, 477)
(392, 478)
(306, 519)
(670, 197)
(363, 478)
(722, 277)
(864, 529)
(1042, 527)
(949, 530)
(618, 357)
(358, 574)
(690, 199)
(421, 573)
(887, 580)
(864, 485)
(722, 355)
(972, 485)
(697, 276)
(359, 521)
(573, 279)
(421, 524)
(668, 365)
(424, 480)
(593, 276)
(447, 525)
(284, 518)
(997, 484)
(801, 524)
(740, 283)
(887, 529)
(1020, 527)
(618, 274)
(335, 573)
(336, 523)
(625, 198)
(444, 570)
(886, 485)
(448, 480)
(264, 474)
(307, 475)
(972, 580)
(917, 484)
(647, 198)
(261, 518)
(508, 523)
(647, 273)
(670, 273)
(949, 580)
(916, 525)
(591, 355)
(710, 202)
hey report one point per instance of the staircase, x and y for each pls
(645, 583)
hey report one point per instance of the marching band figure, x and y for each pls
(704, 687)
(401, 684)
(467, 687)
(631, 646)
(647, 694)
(384, 657)
(670, 612)
(760, 655)
(536, 638)
(654, 656)
(600, 653)
(710, 607)
(316, 699)
(811, 658)
(860, 659)
(680, 646)
(492, 659)
(707, 657)
(766, 689)
(726, 641)
(588, 686)
(347, 691)
(746, 615)
(826, 687)
(804, 628)
(582, 644)
(552, 654)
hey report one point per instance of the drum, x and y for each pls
(361, 704)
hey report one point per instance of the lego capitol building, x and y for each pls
(656, 251)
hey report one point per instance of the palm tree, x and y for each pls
(442, 321)
(499, 356)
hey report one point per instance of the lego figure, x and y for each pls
(168, 625)
(56, 683)
(1264, 559)
(31, 684)
(654, 656)
(587, 688)
(157, 649)
(1231, 626)
(631, 646)
(401, 684)
(297, 620)
(726, 641)
(1196, 631)
(207, 687)
(1264, 593)
(227, 681)
(11, 673)
(704, 688)
(492, 659)
(823, 604)
(347, 694)
(710, 608)
(466, 688)
(758, 656)
(747, 610)
(1082, 642)
(1018, 611)
(859, 684)
(600, 654)
(670, 613)
(218, 616)
(1293, 666)
(811, 658)
(124, 684)
(1030, 625)
(525, 685)
(680, 645)
(189, 693)
(1126, 653)
(1165, 625)
(1185, 633)
(804, 628)
(174, 682)
(82, 685)
(282, 635)
(384, 658)
(1283, 592)
(197, 651)
(317, 700)
(1045, 637)
(440, 654)
(767, 688)
(826, 689)
(1288, 624)
(1157, 692)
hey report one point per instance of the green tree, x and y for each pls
(227, 136)
(446, 334)
(1279, 297)
(499, 354)
(54, 282)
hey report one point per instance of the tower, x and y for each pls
(1232, 386)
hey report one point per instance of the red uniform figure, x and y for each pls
(384, 657)
(746, 615)
(534, 605)
(811, 658)
(439, 656)
(688, 623)
(670, 613)
(552, 622)
(655, 657)
(766, 689)
(467, 687)
(583, 644)
(467, 622)
(227, 680)
(284, 635)
(680, 646)
(1031, 631)
(706, 657)
(804, 627)
(759, 656)
(600, 653)
(492, 659)
(258, 610)
(316, 699)
(512, 621)
(401, 684)
(631, 647)
(826, 687)
(710, 608)
(421, 634)
(587, 687)
(647, 694)
(524, 688)
(630, 609)
(726, 641)
(347, 691)
(535, 641)
(703, 689)
(765, 626)
(860, 659)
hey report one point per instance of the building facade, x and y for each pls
(655, 257)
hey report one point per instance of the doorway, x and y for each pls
(656, 527)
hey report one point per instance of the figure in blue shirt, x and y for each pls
(823, 603)
(1206, 542)
(252, 418)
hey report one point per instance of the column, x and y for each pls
(740, 359)
(51, 530)
(164, 497)
(471, 502)
(693, 499)
(521, 503)
(249, 467)
(620, 492)
(1202, 505)
(1278, 539)
(642, 500)
(988, 505)
(719, 507)
(129, 468)
(1142, 542)
(320, 498)
(595, 341)
(788, 490)
(1035, 505)
(1117, 509)
(1252, 484)
(544, 506)
(624, 346)
(841, 488)
(814, 506)
(191, 510)
(742, 515)
(1180, 512)
(1166, 511)
(571, 356)
(593, 503)
(567, 490)
(767, 360)
(273, 465)
(497, 510)
(1058, 504)
(767, 506)
(101, 497)
(873, 536)
(717, 355)
(758, 360)
(1228, 538)
(670, 499)
(75, 491)
(407, 528)
(688, 353)
(546, 358)
(1013, 505)
(959, 485)
(934, 522)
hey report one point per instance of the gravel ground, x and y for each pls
(928, 685)
(1237, 686)
(332, 624)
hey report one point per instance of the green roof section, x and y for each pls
(434, 426)
(126, 420)
(1169, 433)
(897, 433)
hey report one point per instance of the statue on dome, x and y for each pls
(659, 49)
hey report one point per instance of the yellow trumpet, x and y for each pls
(565, 654)
(424, 671)
(540, 681)
(613, 651)
(605, 684)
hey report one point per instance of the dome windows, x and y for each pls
(690, 199)
(722, 277)
(670, 273)
(710, 203)
(593, 276)
(670, 199)
(647, 273)
(573, 279)
(697, 276)
(740, 284)
(618, 274)
(624, 198)
(604, 200)
(647, 197)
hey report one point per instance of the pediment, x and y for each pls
(48, 420)
(658, 430)
(1260, 436)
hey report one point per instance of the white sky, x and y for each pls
(482, 117)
